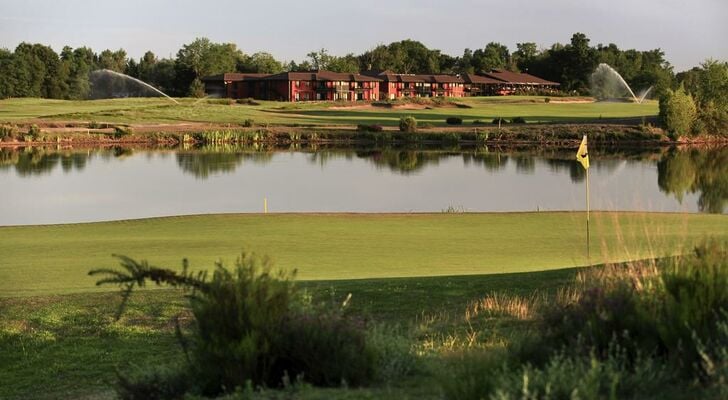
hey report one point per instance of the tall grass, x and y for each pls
(638, 330)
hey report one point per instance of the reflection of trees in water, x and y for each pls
(401, 161)
(577, 173)
(490, 161)
(205, 162)
(39, 161)
(692, 171)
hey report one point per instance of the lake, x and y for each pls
(48, 186)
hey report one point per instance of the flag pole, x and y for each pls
(588, 249)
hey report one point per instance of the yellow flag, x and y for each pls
(582, 155)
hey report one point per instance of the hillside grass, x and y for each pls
(70, 346)
(215, 111)
(54, 259)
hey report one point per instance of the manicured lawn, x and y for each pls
(36, 260)
(533, 109)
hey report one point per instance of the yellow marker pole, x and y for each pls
(265, 205)
(588, 252)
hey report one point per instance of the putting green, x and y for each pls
(54, 259)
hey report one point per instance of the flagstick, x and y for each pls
(588, 252)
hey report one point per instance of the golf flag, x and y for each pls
(582, 155)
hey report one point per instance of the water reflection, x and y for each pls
(325, 178)
(696, 171)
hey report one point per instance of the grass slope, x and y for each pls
(69, 346)
(54, 259)
(534, 109)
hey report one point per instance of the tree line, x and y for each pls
(36, 70)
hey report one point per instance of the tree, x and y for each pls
(319, 59)
(113, 60)
(204, 57)
(493, 56)
(260, 62)
(349, 63)
(7, 84)
(525, 54)
(578, 61)
(678, 112)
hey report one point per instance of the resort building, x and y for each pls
(396, 86)
(369, 85)
(499, 82)
(294, 86)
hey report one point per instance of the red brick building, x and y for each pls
(369, 85)
(320, 85)
(294, 86)
(396, 86)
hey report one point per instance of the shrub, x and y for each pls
(479, 122)
(408, 124)
(518, 120)
(369, 128)
(121, 131)
(454, 121)
(7, 131)
(686, 300)
(327, 349)
(564, 376)
(157, 383)
(197, 88)
(499, 120)
(547, 100)
(248, 123)
(249, 331)
(34, 131)
(247, 101)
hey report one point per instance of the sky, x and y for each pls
(688, 31)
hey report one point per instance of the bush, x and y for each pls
(479, 122)
(7, 132)
(251, 329)
(369, 128)
(518, 120)
(157, 383)
(454, 121)
(34, 131)
(687, 299)
(247, 101)
(326, 349)
(408, 124)
(248, 123)
(499, 120)
(564, 376)
(547, 100)
(121, 131)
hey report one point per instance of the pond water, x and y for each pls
(45, 186)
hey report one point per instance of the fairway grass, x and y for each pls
(158, 111)
(55, 259)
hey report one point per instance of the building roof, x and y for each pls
(389, 76)
(518, 78)
(233, 77)
(321, 76)
(472, 78)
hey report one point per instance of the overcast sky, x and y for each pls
(688, 31)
